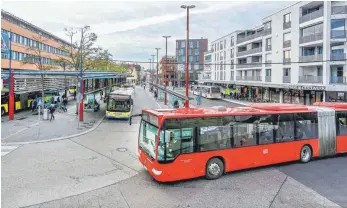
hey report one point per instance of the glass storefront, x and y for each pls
(274, 95)
(336, 97)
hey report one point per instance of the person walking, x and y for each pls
(65, 103)
(51, 111)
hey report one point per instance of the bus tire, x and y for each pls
(305, 154)
(214, 168)
(2, 111)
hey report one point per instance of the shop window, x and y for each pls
(244, 131)
(306, 126)
(341, 126)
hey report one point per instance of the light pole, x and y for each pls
(152, 72)
(166, 37)
(157, 69)
(187, 45)
(150, 67)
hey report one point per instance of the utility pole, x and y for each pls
(157, 69)
(152, 69)
(81, 82)
(166, 83)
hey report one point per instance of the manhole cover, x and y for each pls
(122, 149)
(21, 118)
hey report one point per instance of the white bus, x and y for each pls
(211, 92)
(196, 89)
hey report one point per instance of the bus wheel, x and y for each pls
(2, 111)
(305, 154)
(214, 169)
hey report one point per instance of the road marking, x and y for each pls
(7, 149)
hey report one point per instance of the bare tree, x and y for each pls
(35, 56)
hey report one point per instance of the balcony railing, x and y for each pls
(268, 48)
(311, 16)
(310, 38)
(338, 80)
(339, 10)
(248, 65)
(338, 57)
(254, 50)
(336, 34)
(268, 63)
(317, 57)
(253, 36)
(232, 44)
(286, 61)
(287, 43)
(287, 25)
(248, 78)
(267, 31)
(286, 79)
(267, 78)
(310, 79)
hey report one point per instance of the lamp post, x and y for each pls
(166, 37)
(150, 67)
(152, 72)
(157, 69)
(187, 46)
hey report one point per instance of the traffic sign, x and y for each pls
(5, 43)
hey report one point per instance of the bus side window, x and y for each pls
(245, 131)
(306, 126)
(214, 137)
(342, 123)
(266, 129)
(285, 131)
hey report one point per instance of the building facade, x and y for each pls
(25, 35)
(197, 48)
(168, 70)
(297, 55)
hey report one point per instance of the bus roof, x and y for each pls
(252, 109)
(335, 105)
(122, 92)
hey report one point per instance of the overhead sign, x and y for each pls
(5, 43)
(298, 87)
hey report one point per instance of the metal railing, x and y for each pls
(253, 36)
(338, 80)
(248, 65)
(311, 16)
(287, 43)
(268, 48)
(339, 10)
(248, 78)
(287, 25)
(286, 79)
(317, 57)
(338, 57)
(267, 78)
(268, 63)
(310, 38)
(286, 61)
(338, 34)
(310, 79)
(253, 50)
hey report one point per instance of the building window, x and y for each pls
(183, 59)
(197, 44)
(286, 54)
(225, 43)
(183, 44)
(286, 72)
(287, 18)
(225, 54)
(268, 43)
(312, 30)
(286, 37)
(190, 59)
(197, 59)
(268, 72)
(268, 57)
(232, 41)
(196, 52)
(267, 25)
(338, 28)
(190, 52)
(232, 53)
(191, 44)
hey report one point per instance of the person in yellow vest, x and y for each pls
(227, 92)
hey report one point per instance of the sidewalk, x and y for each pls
(28, 128)
(239, 102)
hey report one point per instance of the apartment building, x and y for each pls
(297, 55)
(25, 35)
(197, 48)
(168, 70)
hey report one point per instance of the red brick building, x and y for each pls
(168, 70)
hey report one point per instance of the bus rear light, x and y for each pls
(156, 172)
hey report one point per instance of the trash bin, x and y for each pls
(45, 114)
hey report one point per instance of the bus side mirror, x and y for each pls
(130, 120)
(167, 136)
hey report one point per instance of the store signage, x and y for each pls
(298, 87)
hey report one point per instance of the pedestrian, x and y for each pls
(65, 103)
(101, 93)
(33, 105)
(74, 95)
(155, 94)
(51, 111)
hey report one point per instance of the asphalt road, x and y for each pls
(101, 169)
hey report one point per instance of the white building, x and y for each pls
(297, 55)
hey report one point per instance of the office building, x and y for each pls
(168, 70)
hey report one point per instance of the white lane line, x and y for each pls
(7, 149)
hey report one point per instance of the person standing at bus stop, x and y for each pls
(51, 111)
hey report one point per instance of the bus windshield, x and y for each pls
(118, 105)
(215, 89)
(147, 135)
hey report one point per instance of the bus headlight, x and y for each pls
(156, 172)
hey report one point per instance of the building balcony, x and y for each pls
(338, 10)
(338, 80)
(268, 63)
(286, 79)
(248, 65)
(250, 37)
(310, 79)
(338, 57)
(311, 16)
(286, 61)
(317, 57)
(267, 78)
(311, 38)
(287, 43)
(251, 51)
(268, 48)
(287, 25)
(338, 34)
(248, 78)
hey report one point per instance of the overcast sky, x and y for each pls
(131, 31)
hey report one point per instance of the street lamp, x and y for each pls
(166, 37)
(187, 7)
(152, 68)
(157, 68)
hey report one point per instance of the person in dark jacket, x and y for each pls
(51, 111)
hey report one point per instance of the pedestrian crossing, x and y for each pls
(7, 149)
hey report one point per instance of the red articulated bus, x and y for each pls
(188, 143)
